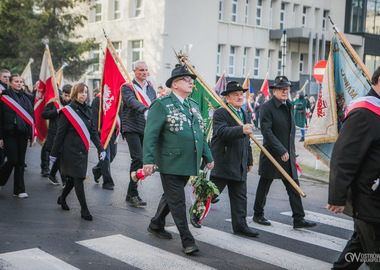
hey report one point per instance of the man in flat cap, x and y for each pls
(175, 141)
(278, 130)
(230, 146)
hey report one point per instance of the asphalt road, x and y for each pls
(36, 234)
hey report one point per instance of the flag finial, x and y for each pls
(45, 41)
(105, 35)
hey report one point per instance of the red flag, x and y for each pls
(247, 85)
(265, 86)
(45, 93)
(110, 97)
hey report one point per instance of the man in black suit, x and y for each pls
(231, 148)
(354, 178)
(278, 130)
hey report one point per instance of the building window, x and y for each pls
(294, 16)
(356, 16)
(302, 63)
(256, 63)
(218, 59)
(117, 47)
(268, 61)
(279, 63)
(116, 9)
(221, 2)
(246, 17)
(98, 11)
(96, 56)
(304, 21)
(231, 61)
(138, 8)
(372, 22)
(259, 12)
(137, 50)
(271, 15)
(324, 19)
(245, 60)
(372, 62)
(234, 10)
(282, 16)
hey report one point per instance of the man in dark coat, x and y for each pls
(51, 113)
(230, 146)
(278, 130)
(4, 82)
(133, 123)
(354, 178)
(103, 167)
(176, 142)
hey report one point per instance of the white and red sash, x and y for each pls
(118, 127)
(78, 124)
(143, 96)
(368, 102)
(22, 113)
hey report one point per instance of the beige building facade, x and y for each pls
(237, 37)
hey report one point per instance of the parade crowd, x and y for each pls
(169, 134)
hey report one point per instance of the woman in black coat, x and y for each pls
(73, 147)
(14, 134)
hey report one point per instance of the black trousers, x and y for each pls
(44, 157)
(55, 167)
(364, 240)
(103, 167)
(135, 142)
(173, 201)
(79, 190)
(237, 192)
(15, 149)
(2, 156)
(294, 198)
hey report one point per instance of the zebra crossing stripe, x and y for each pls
(256, 250)
(32, 259)
(139, 254)
(303, 235)
(326, 219)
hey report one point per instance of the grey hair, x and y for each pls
(136, 63)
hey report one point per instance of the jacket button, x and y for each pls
(196, 141)
(195, 131)
(170, 154)
(195, 151)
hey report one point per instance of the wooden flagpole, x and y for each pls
(53, 78)
(270, 157)
(351, 50)
(122, 66)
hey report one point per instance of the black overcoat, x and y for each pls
(69, 145)
(355, 165)
(278, 130)
(230, 147)
(133, 119)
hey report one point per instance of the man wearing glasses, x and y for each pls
(175, 142)
(278, 130)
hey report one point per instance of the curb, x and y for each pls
(314, 178)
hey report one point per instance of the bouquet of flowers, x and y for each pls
(202, 191)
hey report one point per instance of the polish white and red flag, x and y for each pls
(47, 92)
(110, 98)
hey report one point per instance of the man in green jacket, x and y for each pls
(175, 142)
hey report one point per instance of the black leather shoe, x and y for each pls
(86, 216)
(96, 178)
(194, 221)
(53, 180)
(302, 139)
(214, 199)
(303, 224)
(136, 201)
(162, 233)
(247, 232)
(190, 249)
(63, 204)
(108, 187)
(45, 172)
(261, 220)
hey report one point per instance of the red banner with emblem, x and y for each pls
(110, 97)
(45, 93)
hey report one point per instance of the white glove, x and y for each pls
(52, 159)
(103, 155)
(146, 114)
